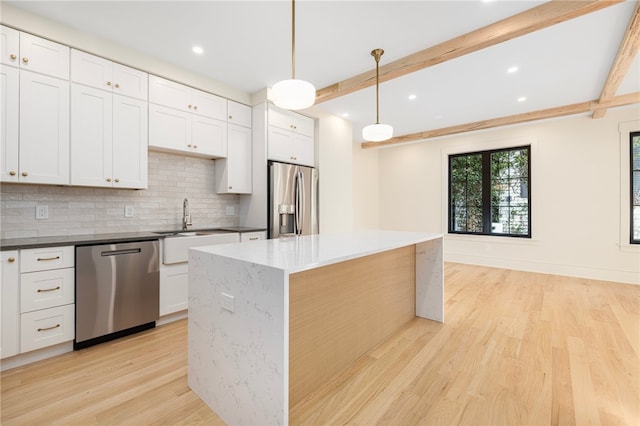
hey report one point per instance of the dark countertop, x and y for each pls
(78, 240)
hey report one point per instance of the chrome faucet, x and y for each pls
(186, 217)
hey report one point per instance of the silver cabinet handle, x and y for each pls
(40, 259)
(40, 290)
(49, 328)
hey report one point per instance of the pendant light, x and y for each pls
(293, 94)
(377, 132)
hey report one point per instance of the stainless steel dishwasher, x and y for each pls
(117, 290)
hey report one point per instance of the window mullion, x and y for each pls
(486, 193)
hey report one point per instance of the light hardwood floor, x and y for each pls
(516, 348)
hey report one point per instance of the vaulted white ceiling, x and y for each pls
(247, 45)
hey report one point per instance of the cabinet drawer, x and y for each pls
(46, 289)
(46, 327)
(41, 259)
(253, 236)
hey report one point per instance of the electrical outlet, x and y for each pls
(227, 301)
(42, 212)
(128, 211)
(231, 210)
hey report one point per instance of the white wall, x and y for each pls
(333, 159)
(577, 191)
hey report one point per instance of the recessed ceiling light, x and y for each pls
(197, 50)
(345, 114)
(439, 117)
(511, 70)
(522, 98)
(412, 97)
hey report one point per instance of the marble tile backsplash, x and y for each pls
(83, 210)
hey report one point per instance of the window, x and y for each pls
(489, 192)
(635, 187)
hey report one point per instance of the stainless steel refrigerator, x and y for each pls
(293, 200)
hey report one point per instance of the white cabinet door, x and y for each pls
(208, 136)
(91, 136)
(174, 288)
(238, 114)
(9, 304)
(280, 118)
(9, 46)
(130, 82)
(169, 93)
(130, 151)
(279, 144)
(44, 56)
(303, 125)
(209, 105)
(169, 128)
(44, 129)
(303, 150)
(46, 289)
(9, 121)
(46, 327)
(91, 70)
(233, 174)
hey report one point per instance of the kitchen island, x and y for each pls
(270, 321)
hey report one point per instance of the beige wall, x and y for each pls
(579, 197)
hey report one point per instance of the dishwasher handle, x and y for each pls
(119, 252)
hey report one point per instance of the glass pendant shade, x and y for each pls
(377, 132)
(293, 94)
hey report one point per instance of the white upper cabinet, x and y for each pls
(185, 98)
(238, 114)
(186, 120)
(35, 109)
(9, 46)
(43, 56)
(103, 74)
(44, 129)
(290, 137)
(108, 139)
(233, 174)
(9, 123)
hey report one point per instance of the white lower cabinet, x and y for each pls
(9, 304)
(174, 288)
(46, 327)
(253, 236)
(47, 295)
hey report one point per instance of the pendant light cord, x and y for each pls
(293, 39)
(377, 53)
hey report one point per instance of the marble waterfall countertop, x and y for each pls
(295, 254)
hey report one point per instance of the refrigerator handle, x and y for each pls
(299, 202)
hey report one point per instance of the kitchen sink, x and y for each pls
(176, 250)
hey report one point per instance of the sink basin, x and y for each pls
(176, 250)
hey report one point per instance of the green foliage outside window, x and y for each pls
(489, 192)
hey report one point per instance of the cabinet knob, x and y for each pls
(25, 174)
(195, 146)
(231, 117)
(108, 83)
(117, 85)
(195, 107)
(189, 146)
(108, 179)
(25, 60)
(11, 259)
(231, 187)
(190, 106)
(13, 56)
(12, 173)
(117, 180)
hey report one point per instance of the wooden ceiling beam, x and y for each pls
(624, 58)
(579, 108)
(526, 22)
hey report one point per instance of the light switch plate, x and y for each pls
(42, 212)
(128, 211)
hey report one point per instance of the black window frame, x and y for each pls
(632, 135)
(486, 193)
